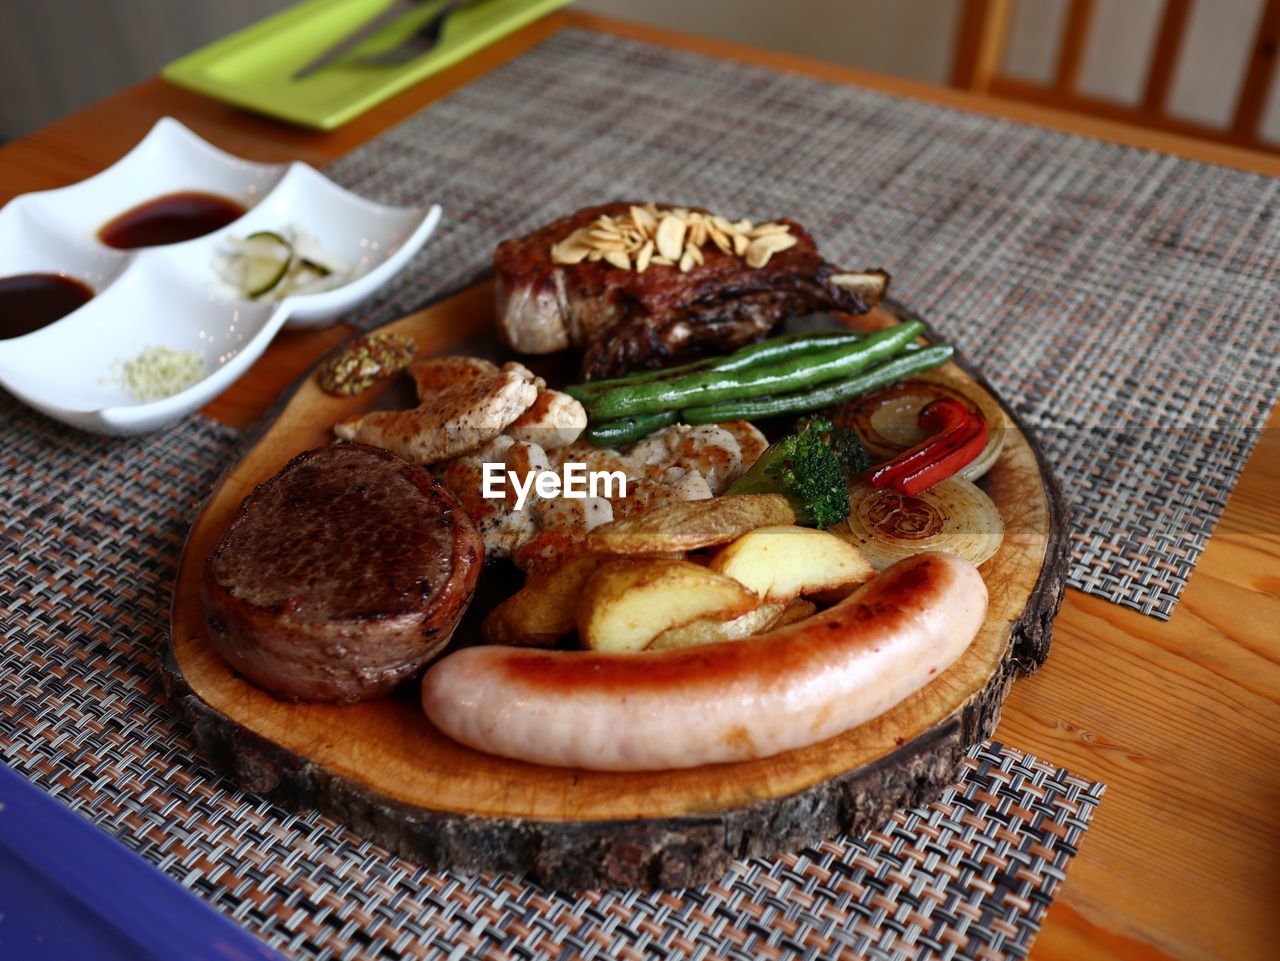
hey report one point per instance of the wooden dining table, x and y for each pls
(1179, 719)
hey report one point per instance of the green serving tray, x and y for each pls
(253, 68)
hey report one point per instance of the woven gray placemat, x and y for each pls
(92, 536)
(1122, 300)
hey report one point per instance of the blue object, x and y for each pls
(71, 892)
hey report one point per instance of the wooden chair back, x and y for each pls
(983, 36)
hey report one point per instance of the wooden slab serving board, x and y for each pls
(382, 768)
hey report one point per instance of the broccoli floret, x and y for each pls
(810, 468)
(853, 457)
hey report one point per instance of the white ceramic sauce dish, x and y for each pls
(169, 159)
(29, 245)
(171, 295)
(70, 370)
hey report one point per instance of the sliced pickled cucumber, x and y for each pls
(311, 255)
(272, 265)
(266, 258)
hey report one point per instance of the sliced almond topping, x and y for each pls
(600, 236)
(618, 258)
(721, 240)
(779, 242)
(573, 249)
(576, 239)
(645, 235)
(644, 256)
(766, 230)
(566, 253)
(762, 248)
(670, 236)
(643, 219)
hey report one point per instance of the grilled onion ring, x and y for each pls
(887, 419)
(953, 515)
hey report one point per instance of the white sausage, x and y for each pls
(730, 701)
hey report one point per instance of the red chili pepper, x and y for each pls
(945, 417)
(949, 463)
(960, 437)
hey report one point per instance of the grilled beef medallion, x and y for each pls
(638, 286)
(340, 576)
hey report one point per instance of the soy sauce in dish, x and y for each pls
(31, 301)
(169, 220)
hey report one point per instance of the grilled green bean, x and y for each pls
(710, 387)
(903, 365)
(591, 389)
(777, 349)
(769, 351)
(615, 433)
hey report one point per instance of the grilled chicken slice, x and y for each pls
(435, 374)
(554, 420)
(678, 463)
(708, 449)
(469, 412)
(751, 443)
(624, 319)
(544, 528)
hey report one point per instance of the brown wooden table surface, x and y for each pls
(1179, 719)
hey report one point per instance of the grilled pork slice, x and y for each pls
(341, 576)
(623, 318)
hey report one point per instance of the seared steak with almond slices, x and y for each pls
(341, 576)
(624, 318)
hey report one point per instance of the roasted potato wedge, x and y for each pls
(769, 616)
(545, 609)
(782, 562)
(797, 610)
(709, 630)
(690, 525)
(628, 602)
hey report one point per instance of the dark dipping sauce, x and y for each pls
(169, 220)
(31, 301)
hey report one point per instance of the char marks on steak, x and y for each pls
(340, 576)
(624, 319)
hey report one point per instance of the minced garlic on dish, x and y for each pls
(157, 372)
